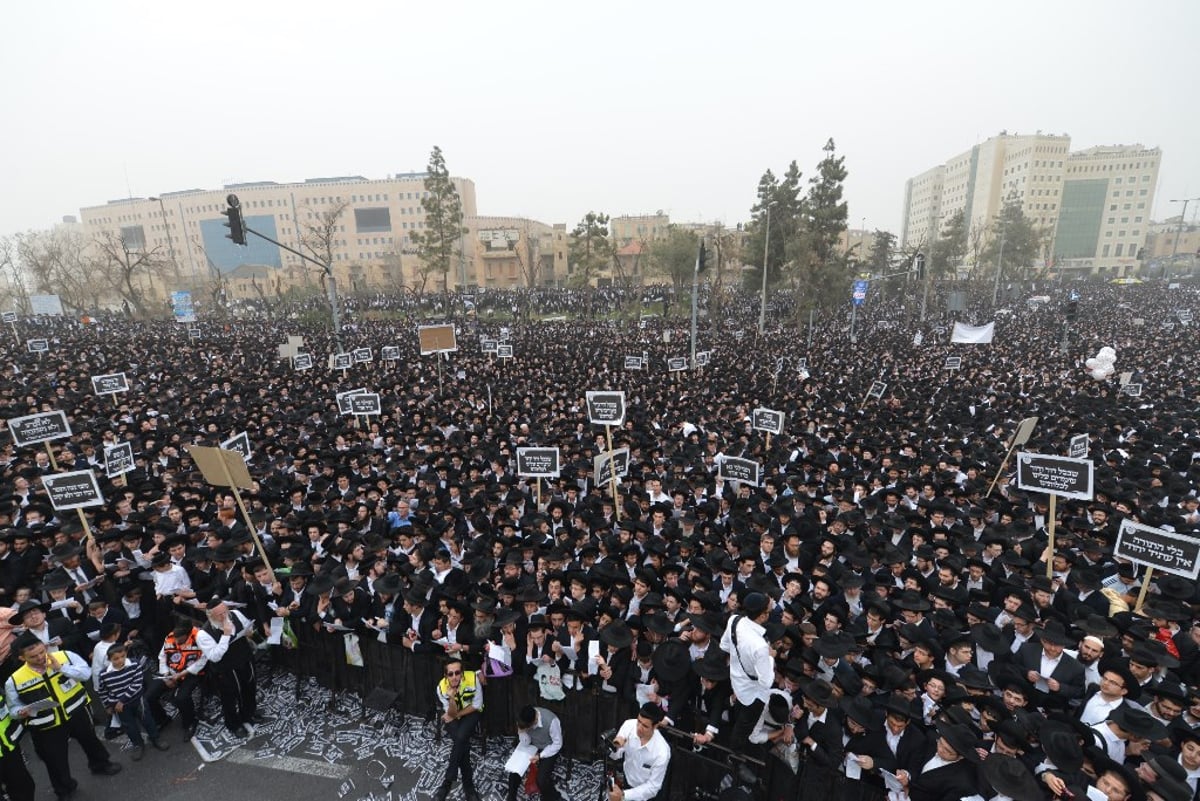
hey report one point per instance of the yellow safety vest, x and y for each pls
(32, 686)
(465, 696)
(11, 730)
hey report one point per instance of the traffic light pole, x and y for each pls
(330, 284)
(695, 291)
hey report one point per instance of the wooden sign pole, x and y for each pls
(1050, 543)
(768, 442)
(50, 453)
(612, 473)
(1141, 599)
(237, 496)
(539, 493)
(1000, 472)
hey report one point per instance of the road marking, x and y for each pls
(310, 767)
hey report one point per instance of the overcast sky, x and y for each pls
(556, 108)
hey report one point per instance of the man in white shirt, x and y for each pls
(646, 756)
(751, 666)
(538, 731)
(1114, 686)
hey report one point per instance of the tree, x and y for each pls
(1021, 240)
(822, 270)
(950, 247)
(590, 249)
(726, 250)
(121, 264)
(439, 244)
(674, 256)
(58, 262)
(783, 199)
(883, 251)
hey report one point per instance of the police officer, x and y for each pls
(48, 694)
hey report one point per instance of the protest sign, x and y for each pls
(767, 420)
(489, 345)
(239, 443)
(606, 408)
(364, 403)
(9, 317)
(952, 363)
(538, 462)
(1058, 475)
(341, 361)
(504, 351)
(744, 471)
(677, 363)
(362, 355)
(602, 465)
(390, 353)
(633, 362)
(1161, 550)
(1079, 447)
(302, 361)
(1132, 390)
(34, 428)
(73, 490)
(109, 384)
(436, 339)
(877, 389)
(37, 345)
(343, 399)
(118, 459)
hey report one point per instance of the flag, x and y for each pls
(973, 334)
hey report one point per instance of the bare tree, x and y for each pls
(13, 294)
(320, 237)
(62, 263)
(120, 265)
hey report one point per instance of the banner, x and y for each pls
(973, 334)
(1161, 550)
(181, 303)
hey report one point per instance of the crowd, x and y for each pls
(874, 607)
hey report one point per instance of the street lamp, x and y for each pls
(170, 242)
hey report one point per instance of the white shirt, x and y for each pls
(1112, 743)
(751, 668)
(170, 580)
(645, 764)
(1096, 710)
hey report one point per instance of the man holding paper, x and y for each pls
(539, 739)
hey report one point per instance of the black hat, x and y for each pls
(320, 585)
(1009, 776)
(616, 635)
(754, 604)
(820, 692)
(672, 661)
(1061, 744)
(989, 637)
(18, 618)
(1054, 633)
(961, 739)
(1138, 722)
(911, 601)
(860, 710)
(712, 667)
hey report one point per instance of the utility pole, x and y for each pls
(762, 312)
(171, 242)
(695, 293)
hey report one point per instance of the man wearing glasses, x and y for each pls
(461, 696)
(1114, 686)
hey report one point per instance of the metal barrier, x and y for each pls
(694, 774)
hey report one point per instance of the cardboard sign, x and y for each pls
(505, 333)
(1184, 315)
(118, 459)
(603, 467)
(538, 462)
(1079, 446)
(35, 428)
(952, 363)
(341, 361)
(1132, 390)
(9, 317)
(767, 420)
(802, 363)
(73, 490)
(361, 355)
(633, 362)
(240, 444)
(606, 408)
(109, 384)
(677, 363)
(489, 345)
(390, 353)
(1024, 432)
(366, 403)
(193, 333)
(877, 389)
(37, 345)
(504, 351)
(1161, 550)
(343, 399)
(436, 339)
(221, 468)
(743, 471)
(302, 361)
(1057, 475)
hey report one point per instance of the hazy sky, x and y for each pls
(560, 107)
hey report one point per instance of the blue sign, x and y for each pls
(860, 292)
(182, 303)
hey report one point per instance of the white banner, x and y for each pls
(973, 334)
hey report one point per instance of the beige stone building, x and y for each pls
(1086, 203)
(638, 228)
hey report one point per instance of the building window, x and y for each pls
(1118, 251)
(1104, 252)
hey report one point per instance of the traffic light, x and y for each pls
(700, 260)
(237, 228)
